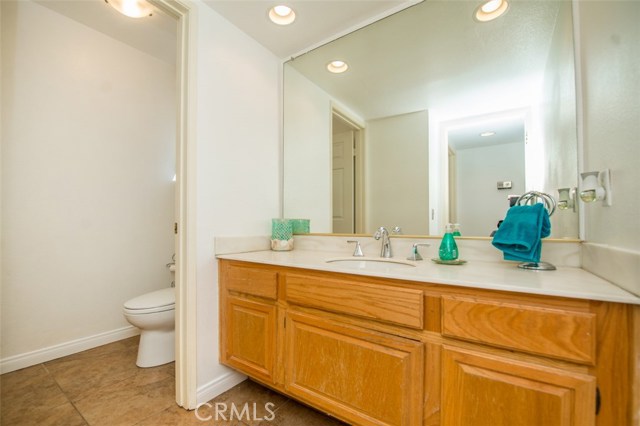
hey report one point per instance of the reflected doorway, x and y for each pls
(486, 166)
(346, 174)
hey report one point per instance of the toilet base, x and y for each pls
(156, 347)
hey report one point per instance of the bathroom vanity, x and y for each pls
(432, 344)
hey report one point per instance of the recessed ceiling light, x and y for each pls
(490, 10)
(282, 15)
(337, 66)
(485, 134)
(131, 8)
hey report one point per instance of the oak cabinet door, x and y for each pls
(481, 389)
(365, 377)
(250, 337)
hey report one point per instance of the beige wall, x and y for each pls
(559, 133)
(478, 172)
(238, 151)
(610, 52)
(397, 194)
(307, 153)
(88, 147)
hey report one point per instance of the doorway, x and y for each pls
(346, 164)
(486, 164)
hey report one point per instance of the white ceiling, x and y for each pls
(317, 21)
(508, 130)
(155, 35)
(515, 47)
(435, 56)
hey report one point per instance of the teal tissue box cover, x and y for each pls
(300, 226)
(281, 229)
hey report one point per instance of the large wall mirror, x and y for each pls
(438, 118)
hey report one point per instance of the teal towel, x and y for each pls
(519, 235)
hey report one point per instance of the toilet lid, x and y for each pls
(155, 299)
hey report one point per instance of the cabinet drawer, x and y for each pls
(568, 335)
(390, 304)
(253, 281)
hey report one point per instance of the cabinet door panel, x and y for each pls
(250, 337)
(481, 389)
(365, 377)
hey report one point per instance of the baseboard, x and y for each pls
(219, 385)
(16, 362)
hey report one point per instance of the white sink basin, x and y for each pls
(370, 264)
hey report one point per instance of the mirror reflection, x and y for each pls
(438, 118)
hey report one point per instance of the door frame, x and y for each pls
(185, 13)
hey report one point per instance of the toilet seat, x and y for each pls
(156, 301)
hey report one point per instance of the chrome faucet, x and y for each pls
(385, 251)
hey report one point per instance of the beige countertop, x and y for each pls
(565, 281)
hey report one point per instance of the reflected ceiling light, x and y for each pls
(485, 134)
(490, 10)
(282, 15)
(131, 8)
(337, 66)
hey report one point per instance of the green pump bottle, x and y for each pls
(448, 247)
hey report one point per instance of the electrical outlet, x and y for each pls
(505, 184)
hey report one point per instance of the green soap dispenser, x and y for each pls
(448, 247)
(456, 230)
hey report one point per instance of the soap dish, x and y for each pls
(449, 262)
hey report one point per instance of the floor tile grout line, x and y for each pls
(64, 393)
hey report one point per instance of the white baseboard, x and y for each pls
(16, 362)
(218, 385)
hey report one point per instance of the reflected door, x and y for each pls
(343, 183)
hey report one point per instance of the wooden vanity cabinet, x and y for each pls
(248, 320)
(482, 389)
(362, 376)
(375, 351)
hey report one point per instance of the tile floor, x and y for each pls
(103, 386)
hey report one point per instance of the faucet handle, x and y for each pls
(358, 250)
(415, 255)
(380, 232)
(396, 230)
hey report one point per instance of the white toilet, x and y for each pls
(154, 314)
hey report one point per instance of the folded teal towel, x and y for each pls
(519, 234)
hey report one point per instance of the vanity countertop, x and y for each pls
(565, 281)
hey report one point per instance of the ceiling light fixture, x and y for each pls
(337, 66)
(485, 134)
(282, 15)
(131, 8)
(490, 10)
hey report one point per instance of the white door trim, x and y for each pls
(186, 267)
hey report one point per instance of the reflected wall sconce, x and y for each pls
(596, 186)
(567, 198)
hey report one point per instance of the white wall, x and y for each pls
(610, 60)
(559, 137)
(610, 51)
(480, 203)
(397, 194)
(88, 142)
(307, 153)
(238, 160)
